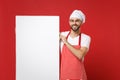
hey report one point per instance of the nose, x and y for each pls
(74, 22)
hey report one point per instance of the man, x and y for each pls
(74, 46)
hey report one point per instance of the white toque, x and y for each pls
(78, 14)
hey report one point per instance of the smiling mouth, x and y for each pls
(75, 26)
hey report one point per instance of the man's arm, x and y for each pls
(79, 53)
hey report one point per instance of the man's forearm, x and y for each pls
(79, 53)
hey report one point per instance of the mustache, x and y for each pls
(74, 25)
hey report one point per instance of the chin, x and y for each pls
(76, 29)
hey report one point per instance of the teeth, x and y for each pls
(74, 26)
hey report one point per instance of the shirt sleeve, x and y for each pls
(64, 33)
(85, 40)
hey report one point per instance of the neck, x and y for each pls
(74, 34)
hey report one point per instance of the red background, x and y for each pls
(102, 24)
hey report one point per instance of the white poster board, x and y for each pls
(37, 47)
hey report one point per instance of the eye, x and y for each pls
(77, 20)
(71, 20)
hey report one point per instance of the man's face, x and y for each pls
(75, 24)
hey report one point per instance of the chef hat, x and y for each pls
(78, 14)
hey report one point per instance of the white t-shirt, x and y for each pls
(85, 40)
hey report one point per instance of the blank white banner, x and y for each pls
(37, 47)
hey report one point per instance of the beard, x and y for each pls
(75, 28)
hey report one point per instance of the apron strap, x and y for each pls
(78, 40)
(68, 35)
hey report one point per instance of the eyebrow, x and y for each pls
(74, 20)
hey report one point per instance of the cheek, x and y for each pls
(78, 24)
(70, 23)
